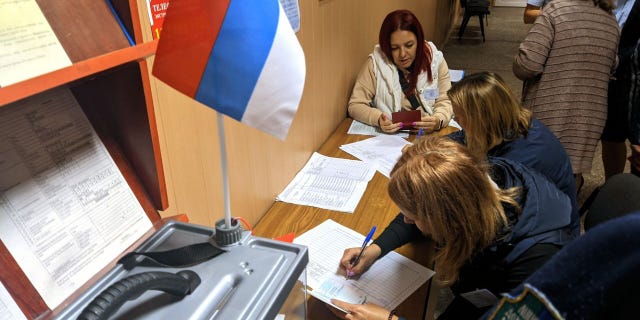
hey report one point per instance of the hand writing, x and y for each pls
(371, 253)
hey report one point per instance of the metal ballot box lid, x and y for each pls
(251, 280)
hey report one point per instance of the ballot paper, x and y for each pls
(382, 151)
(389, 281)
(358, 127)
(65, 209)
(329, 183)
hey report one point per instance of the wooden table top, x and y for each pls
(375, 208)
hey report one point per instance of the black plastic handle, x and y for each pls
(111, 299)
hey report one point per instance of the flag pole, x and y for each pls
(225, 176)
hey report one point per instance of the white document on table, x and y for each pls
(456, 75)
(29, 46)
(329, 183)
(9, 309)
(358, 127)
(389, 281)
(65, 209)
(381, 151)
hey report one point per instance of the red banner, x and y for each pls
(157, 11)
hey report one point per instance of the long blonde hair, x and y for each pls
(491, 111)
(442, 183)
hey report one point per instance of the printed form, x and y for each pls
(329, 183)
(65, 209)
(358, 127)
(389, 281)
(29, 46)
(9, 310)
(381, 151)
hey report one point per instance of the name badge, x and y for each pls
(430, 94)
(530, 304)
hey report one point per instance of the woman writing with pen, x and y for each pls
(494, 222)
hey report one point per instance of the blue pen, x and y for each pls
(420, 132)
(364, 245)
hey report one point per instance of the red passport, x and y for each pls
(407, 118)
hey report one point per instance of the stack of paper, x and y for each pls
(338, 184)
(381, 151)
(358, 127)
(389, 281)
(329, 183)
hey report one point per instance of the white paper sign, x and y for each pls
(29, 46)
(65, 209)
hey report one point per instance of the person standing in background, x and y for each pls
(404, 72)
(623, 117)
(532, 10)
(565, 62)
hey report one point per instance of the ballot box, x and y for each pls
(255, 278)
(81, 187)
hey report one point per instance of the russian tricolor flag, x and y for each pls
(239, 57)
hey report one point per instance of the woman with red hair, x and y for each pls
(404, 72)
